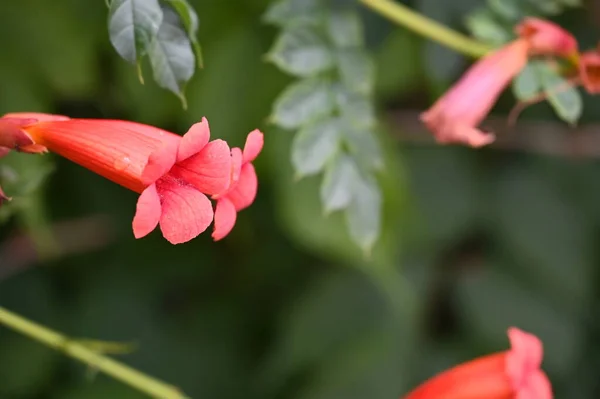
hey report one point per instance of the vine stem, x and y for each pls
(79, 351)
(402, 15)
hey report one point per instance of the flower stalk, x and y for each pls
(402, 15)
(93, 359)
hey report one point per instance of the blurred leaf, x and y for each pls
(363, 214)
(345, 29)
(484, 26)
(511, 10)
(527, 84)
(356, 110)
(546, 7)
(189, 18)
(562, 96)
(337, 184)
(288, 12)
(132, 25)
(357, 71)
(171, 55)
(300, 51)
(303, 102)
(314, 145)
(364, 147)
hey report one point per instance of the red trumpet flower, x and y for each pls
(173, 174)
(512, 374)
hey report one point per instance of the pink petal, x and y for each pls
(160, 162)
(209, 170)
(457, 133)
(537, 386)
(547, 38)
(236, 164)
(525, 356)
(253, 146)
(147, 213)
(242, 195)
(186, 212)
(194, 140)
(4, 151)
(225, 216)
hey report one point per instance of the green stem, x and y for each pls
(134, 378)
(428, 28)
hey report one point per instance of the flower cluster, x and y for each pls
(174, 175)
(455, 116)
(512, 374)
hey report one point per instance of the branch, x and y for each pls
(79, 351)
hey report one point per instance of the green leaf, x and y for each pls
(357, 70)
(357, 110)
(364, 147)
(302, 102)
(363, 214)
(337, 185)
(484, 26)
(286, 12)
(511, 10)
(300, 51)
(546, 7)
(345, 29)
(189, 19)
(132, 25)
(171, 56)
(527, 84)
(564, 98)
(314, 145)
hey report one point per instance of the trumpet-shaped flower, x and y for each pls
(173, 174)
(589, 71)
(243, 188)
(547, 38)
(455, 116)
(512, 374)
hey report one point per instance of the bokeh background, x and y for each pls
(474, 241)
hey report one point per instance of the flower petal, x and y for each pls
(547, 38)
(147, 213)
(160, 162)
(194, 140)
(242, 195)
(253, 146)
(209, 170)
(537, 386)
(453, 133)
(525, 356)
(186, 212)
(589, 69)
(225, 216)
(236, 164)
(4, 151)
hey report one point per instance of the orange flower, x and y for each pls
(589, 71)
(455, 116)
(173, 174)
(512, 374)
